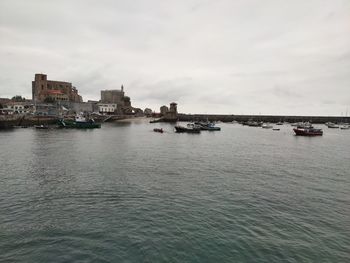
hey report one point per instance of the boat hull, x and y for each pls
(78, 125)
(308, 132)
(180, 129)
(206, 128)
(160, 130)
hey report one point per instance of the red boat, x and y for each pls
(308, 131)
(158, 130)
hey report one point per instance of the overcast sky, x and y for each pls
(209, 56)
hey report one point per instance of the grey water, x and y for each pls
(124, 193)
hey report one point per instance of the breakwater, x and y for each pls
(264, 118)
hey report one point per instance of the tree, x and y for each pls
(18, 98)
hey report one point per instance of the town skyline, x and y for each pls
(226, 57)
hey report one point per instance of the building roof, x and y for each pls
(55, 92)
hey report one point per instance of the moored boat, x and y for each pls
(158, 130)
(332, 125)
(41, 127)
(191, 128)
(80, 122)
(308, 131)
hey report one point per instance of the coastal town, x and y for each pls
(59, 103)
(52, 100)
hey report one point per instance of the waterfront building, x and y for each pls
(13, 107)
(107, 108)
(52, 90)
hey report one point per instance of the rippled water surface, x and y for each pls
(123, 193)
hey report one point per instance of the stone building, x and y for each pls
(113, 96)
(171, 114)
(117, 97)
(107, 108)
(43, 89)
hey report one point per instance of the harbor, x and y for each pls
(174, 131)
(63, 185)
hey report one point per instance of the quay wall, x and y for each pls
(10, 121)
(264, 118)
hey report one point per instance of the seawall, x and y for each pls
(264, 118)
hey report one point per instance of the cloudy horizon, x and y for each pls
(225, 57)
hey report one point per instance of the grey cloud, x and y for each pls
(285, 92)
(231, 56)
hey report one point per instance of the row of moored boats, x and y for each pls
(342, 126)
(197, 127)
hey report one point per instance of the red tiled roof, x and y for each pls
(54, 92)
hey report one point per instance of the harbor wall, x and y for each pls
(264, 118)
(10, 121)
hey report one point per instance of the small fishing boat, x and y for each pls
(345, 127)
(276, 129)
(332, 125)
(41, 127)
(158, 130)
(80, 122)
(191, 128)
(308, 131)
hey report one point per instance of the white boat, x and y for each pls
(332, 125)
(345, 127)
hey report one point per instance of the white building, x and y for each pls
(17, 108)
(107, 108)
